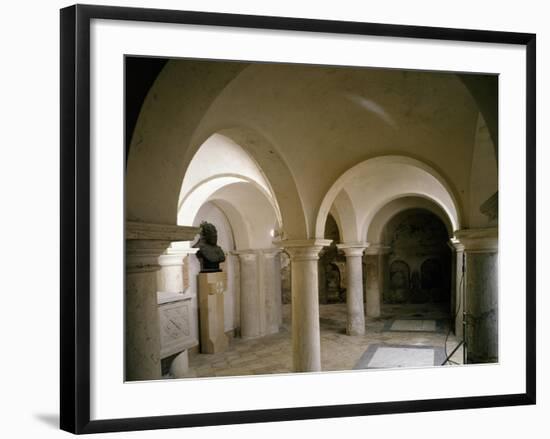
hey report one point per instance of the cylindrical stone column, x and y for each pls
(481, 293)
(376, 272)
(354, 287)
(172, 277)
(457, 285)
(306, 336)
(250, 297)
(142, 332)
(272, 286)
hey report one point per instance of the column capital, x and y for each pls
(478, 240)
(271, 252)
(304, 249)
(257, 251)
(159, 232)
(455, 245)
(175, 257)
(142, 255)
(377, 249)
(245, 255)
(181, 248)
(353, 248)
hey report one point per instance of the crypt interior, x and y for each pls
(357, 211)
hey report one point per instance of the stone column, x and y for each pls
(481, 293)
(457, 285)
(250, 295)
(142, 333)
(173, 276)
(306, 336)
(271, 282)
(376, 281)
(261, 299)
(354, 287)
(144, 244)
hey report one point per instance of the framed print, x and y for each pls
(274, 218)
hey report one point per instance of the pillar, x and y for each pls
(261, 298)
(306, 336)
(457, 285)
(142, 331)
(173, 276)
(271, 282)
(145, 242)
(376, 278)
(354, 287)
(251, 324)
(481, 293)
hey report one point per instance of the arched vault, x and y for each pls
(375, 229)
(372, 184)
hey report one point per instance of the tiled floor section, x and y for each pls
(414, 325)
(393, 356)
(272, 354)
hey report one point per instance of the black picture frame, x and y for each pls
(75, 217)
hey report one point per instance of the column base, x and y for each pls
(180, 365)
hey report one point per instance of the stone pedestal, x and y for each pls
(211, 312)
(306, 338)
(376, 259)
(354, 287)
(481, 293)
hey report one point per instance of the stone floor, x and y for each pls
(404, 336)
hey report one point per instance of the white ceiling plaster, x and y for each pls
(373, 183)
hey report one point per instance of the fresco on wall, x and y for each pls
(420, 260)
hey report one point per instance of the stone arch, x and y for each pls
(203, 191)
(171, 128)
(374, 230)
(253, 220)
(345, 215)
(374, 182)
(277, 174)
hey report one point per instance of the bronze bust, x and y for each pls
(210, 254)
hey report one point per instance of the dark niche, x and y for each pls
(420, 259)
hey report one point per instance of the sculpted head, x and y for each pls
(209, 233)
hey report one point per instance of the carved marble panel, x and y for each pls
(176, 323)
